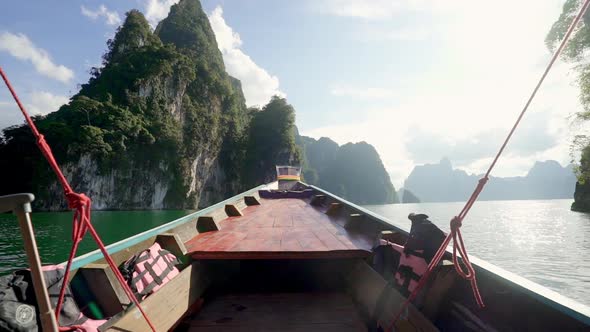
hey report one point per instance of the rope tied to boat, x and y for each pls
(81, 204)
(457, 221)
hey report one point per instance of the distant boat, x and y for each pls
(303, 259)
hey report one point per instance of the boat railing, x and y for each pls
(562, 303)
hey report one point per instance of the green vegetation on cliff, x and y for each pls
(576, 51)
(271, 142)
(160, 125)
(352, 171)
(582, 193)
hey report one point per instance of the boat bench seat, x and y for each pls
(168, 305)
(287, 228)
(379, 301)
(106, 290)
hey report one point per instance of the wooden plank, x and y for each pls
(251, 200)
(187, 230)
(437, 289)
(382, 302)
(102, 282)
(333, 209)
(174, 244)
(281, 228)
(279, 312)
(393, 237)
(240, 204)
(149, 235)
(206, 224)
(218, 214)
(468, 319)
(354, 221)
(282, 253)
(302, 327)
(166, 306)
(232, 210)
(317, 200)
(124, 254)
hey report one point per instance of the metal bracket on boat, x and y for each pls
(16, 202)
(20, 204)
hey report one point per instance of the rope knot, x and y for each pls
(456, 223)
(77, 201)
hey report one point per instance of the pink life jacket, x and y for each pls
(151, 269)
(421, 245)
(410, 268)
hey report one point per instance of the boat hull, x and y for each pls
(221, 260)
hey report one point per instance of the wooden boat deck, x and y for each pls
(289, 312)
(286, 228)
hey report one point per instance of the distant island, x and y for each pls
(353, 171)
(442, 183)
(406, 196)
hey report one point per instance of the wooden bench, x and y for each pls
(105, 287)
(380, 303)
(168, 305)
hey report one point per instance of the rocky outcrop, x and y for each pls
(582, 194)
(581, 198)
(406, 196)
(160, 126)
(353, 171)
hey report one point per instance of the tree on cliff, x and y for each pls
(271, 141)
(159, 125)
(352, 171)
(576, 52)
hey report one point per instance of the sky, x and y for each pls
(418, 79)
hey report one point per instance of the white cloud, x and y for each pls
(36, 103)
(10, 115)
(475, 86)
(370, 93)
(402, 34)
(257, 83)
(370, 10)
(111, 17)
(43, 102)
(157, 10)
(21, 47)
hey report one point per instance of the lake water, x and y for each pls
(542, 240)
(53, 231)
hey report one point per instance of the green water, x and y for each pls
(53, 231)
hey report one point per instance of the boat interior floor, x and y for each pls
(276, 295)
(291, 312)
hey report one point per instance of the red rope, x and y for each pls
(81, 204)
(456, 222)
